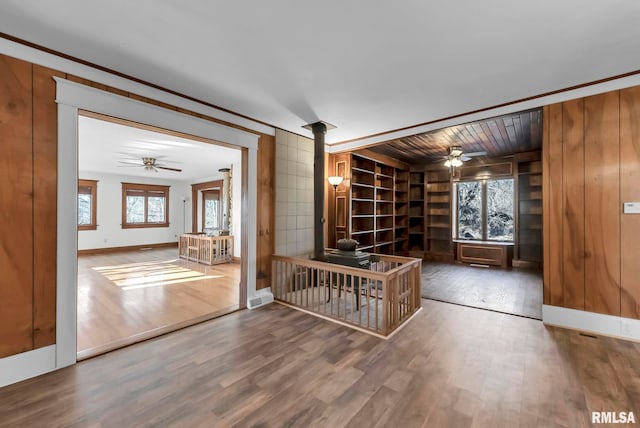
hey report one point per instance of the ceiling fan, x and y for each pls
(456, 156)
(149, 164)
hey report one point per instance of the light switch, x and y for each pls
(631, 208)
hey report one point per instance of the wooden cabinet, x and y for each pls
(371, 205)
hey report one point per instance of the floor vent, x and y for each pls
(261, 300)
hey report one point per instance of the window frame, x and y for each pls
(205, 192)
(484, 209)
(93, 186)
(146, 189)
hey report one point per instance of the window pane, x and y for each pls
(84, 209)
(155, 208)
(135, 209)
(211, 213)
(469, 210)
(500, 210)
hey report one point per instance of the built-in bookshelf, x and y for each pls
(379, 199)
(384, 208)
(529, 241)
(401, 213)
(439, 244)
(363, 202)
(416, 214)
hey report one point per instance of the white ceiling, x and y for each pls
(102, 145)
(364, 66)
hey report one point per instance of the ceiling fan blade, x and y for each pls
(472, 154)
(133, 163)
(464, 158)
(169, 169)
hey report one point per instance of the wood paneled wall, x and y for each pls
(630, 191)
(28, 167)
(266, 209)
(591, 165)
(28, 186)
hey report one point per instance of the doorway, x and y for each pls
(134, 197)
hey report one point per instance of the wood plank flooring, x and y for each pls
(451, 366)
(129, 296)
(514, 291)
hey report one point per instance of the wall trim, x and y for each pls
(92, 251)
(110, 104)
(16, 368)
(47, 59)
(591, 322)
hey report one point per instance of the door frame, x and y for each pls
(72, 98)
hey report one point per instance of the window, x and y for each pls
(87, 204)
(211, 209)
(485, 210)
(145, 205)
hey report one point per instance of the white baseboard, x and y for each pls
(27, 364)
(608, 325)
(264, 296)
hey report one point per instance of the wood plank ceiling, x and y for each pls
(498, 136)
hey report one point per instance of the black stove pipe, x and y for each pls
(319, 129)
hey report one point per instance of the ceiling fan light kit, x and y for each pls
(454, 158)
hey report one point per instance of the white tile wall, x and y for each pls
(294, 195)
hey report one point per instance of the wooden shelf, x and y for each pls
(370, 186)
(366, 171)
(378, 197)
(529, 231)
(439, 225)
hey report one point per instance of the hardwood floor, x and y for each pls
(129, 296)
(514, 291)
(452, 366)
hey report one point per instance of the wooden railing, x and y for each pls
(378, 300)
(206, 249)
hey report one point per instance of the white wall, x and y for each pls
(294, 195)
(109, 217)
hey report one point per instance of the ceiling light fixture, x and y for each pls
(454, 159)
